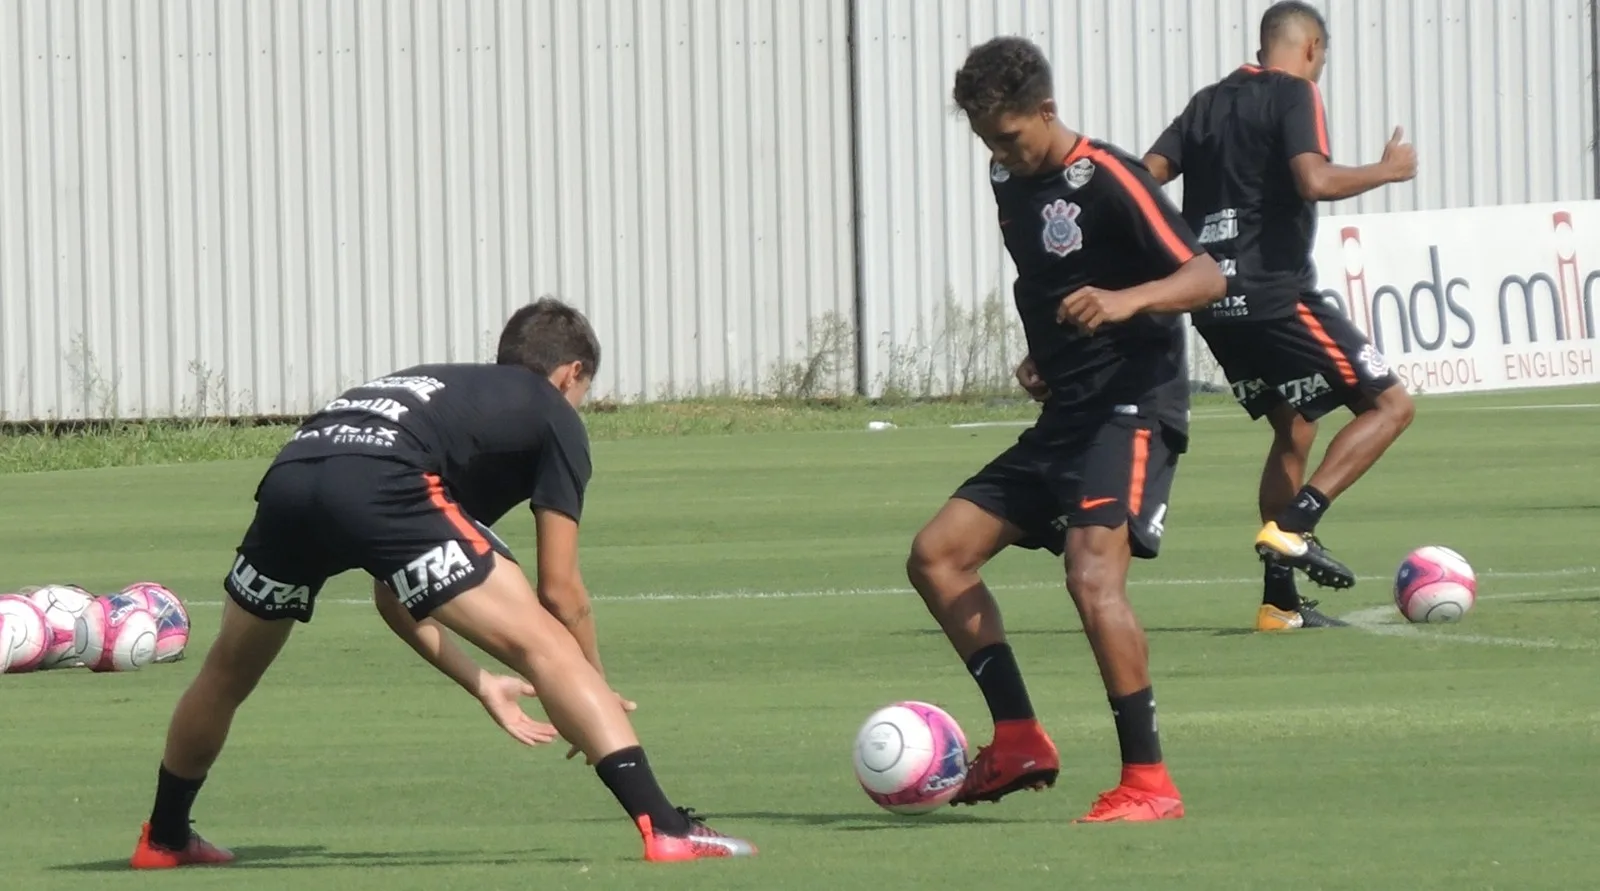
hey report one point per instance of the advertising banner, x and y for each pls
(1473, 299)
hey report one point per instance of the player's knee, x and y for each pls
(934, 556)
(225, 680)
(921, 563)
(1091, 583)
(1398, 405)
(1097, 566)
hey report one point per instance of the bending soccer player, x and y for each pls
(401, 477)
(1253, 152)
(1104, 266)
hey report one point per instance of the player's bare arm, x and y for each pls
(561, 588)
(1162, 169)
(1196, 283)
(1319, 179)
(500, 695)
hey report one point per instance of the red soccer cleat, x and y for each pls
(198, 852)
(1145, 794)
(701, 842)
(1021, 757)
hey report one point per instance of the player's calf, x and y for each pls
(245, 647)
(943, 568)
(1097, 580)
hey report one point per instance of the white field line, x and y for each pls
(753, 594)
(1386, 621)
(1229, 413)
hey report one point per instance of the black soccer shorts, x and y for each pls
(318, 518)
(1316, 361)
(1106, 474)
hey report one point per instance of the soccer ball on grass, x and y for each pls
(911, 757)
(1435, 584)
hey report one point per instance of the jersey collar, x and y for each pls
(1257, 69)
(1080, 149)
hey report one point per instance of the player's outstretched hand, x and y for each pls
(1028, 377)
(1090, 307)
(628, 705)
(501, 697)
(1400, 157)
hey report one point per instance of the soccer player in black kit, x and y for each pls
(402, 477)
(1253, 152)
(1104, 266)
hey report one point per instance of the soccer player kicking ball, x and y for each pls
(1253, 152)
(401, 477)
(1104, 265)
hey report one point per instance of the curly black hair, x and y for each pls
(1005, 75)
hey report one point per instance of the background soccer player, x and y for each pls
(1104, 264)
(1253, 151)
(402, 477)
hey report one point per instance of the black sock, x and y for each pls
(169, 819)
(1278, 589)
(1135, 716)
(995, 669)
(627, 774)
(1304, 511)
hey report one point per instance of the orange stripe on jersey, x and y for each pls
(1080, 149)
(452, 512)
(1340, 361)
(1147, 204)
(1141, 457)
(1322, 120)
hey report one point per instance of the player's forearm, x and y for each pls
(1332, 182)
(1196, 283)
(430, 641)
(1162, 169)
(572, 608)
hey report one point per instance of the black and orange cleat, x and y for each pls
(701, 843)
(1271, 618)
(198, 852)
(1021, 757)
(1302, 551)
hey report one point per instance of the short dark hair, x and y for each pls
(547, 334)
(1276, 20)
(1005, 75)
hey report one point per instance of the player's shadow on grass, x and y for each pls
(1213, 630)
(867, 821)
(319, 857)
(855, 821)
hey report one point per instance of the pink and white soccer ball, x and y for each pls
(126, 639)
(172, 619)
(24, 636)
(911, 757)
(1435, 584)
(64, 607)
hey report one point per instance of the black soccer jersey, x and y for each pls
(1101, 221)
(497, 435)
(1233, 143)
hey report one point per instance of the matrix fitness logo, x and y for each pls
(1537, 314)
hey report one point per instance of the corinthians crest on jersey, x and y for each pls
(1062, 234)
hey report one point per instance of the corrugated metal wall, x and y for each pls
(1495, 94)
(222, 206)
(237, 207)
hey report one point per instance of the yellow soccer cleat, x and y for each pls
(1302, 551)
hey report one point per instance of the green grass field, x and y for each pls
(751, 598)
